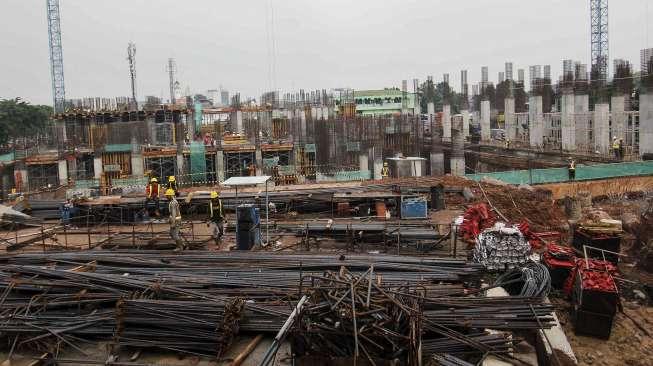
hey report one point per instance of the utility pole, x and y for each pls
(131, 57)
(56, 55)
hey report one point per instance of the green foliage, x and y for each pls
(21, 119)
(439, 94)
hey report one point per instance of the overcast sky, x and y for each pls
(319, 44)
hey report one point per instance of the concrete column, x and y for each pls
(446, 122)
(72, 168)
(567, 122)
(64, 134)
(63, 172)
(465, 114)
(601, 118)
(430, 110)
(485, 121)
(258, 156)
(302, 125)
(457, 147)
(510, 118)
(138, 166)
(325, 112)
(378, 166)
(181, 169)
(437, 163)
(645, 123)
(97, 166)
(219, 165)
(581, 110)
(535, 122)
(363, 161)
(239, 122)
(617, 108)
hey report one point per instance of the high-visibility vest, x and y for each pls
(572, 165)
(152, 190)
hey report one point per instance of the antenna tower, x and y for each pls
(56, 55)
(131, 57)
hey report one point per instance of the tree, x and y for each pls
(19, 119)
(438, 94)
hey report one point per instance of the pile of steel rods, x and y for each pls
(375, 307)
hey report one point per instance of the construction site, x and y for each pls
(509, 224)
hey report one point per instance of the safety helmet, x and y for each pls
(153, 180)
(170, 192)
(385, 163)
(214, 194)
(171, 178)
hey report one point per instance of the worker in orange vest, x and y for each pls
(152, 195)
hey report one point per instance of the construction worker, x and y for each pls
(216, 217)
(385, 172)
(175, 219)
(615, 147)
(152, 195)
(507, 144)
(172, 184)
(572, 169)
(251, 169)
(621, 149)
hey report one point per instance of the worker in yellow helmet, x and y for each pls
(216, 217)
(172, 184)
(175, 219)
(385, 172)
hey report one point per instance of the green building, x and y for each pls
(382, 102)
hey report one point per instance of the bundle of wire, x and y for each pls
(533, 278)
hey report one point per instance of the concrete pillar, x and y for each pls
(486, 134)
(446, 122)
(258, 156)
(72, 168)
(239, 122)
(535, 121)
(581, 110)
(430, 110)
(457, 147)
(465, 114)
(378, 166)
(302, 125)
(97, 166)
(645, 123)
(138, 166)
(567, 122)
(363, 161)
(510, 118)
(219, 165)
(64, 134)
(601, 121)
(325, 112)
(181, 169)
(63, 172)
(617, 108)
(437, 163)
